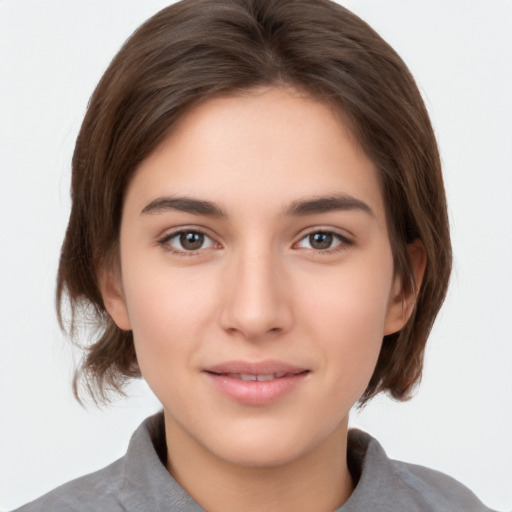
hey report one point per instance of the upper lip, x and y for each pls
(255, 368)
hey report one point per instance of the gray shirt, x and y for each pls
(140, 482)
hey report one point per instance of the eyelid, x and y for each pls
(343, 239)
(164, 239)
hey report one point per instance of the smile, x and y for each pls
(251, 377)
(255, 384)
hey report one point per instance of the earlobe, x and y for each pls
(403, 300)
(113, 297)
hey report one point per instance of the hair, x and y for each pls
(194, 50)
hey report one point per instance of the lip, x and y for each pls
(282, 377)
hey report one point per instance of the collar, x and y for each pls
(146, 483)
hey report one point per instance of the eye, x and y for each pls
(322, 241)
(188, 241)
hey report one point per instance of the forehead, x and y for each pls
(266, 148)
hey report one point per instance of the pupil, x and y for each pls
(191, 241)
(320, 240)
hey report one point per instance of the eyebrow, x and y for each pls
(184, 204)
(323, 204)
(301, 207)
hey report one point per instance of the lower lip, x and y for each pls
(256, 392)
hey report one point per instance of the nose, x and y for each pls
(255, 302)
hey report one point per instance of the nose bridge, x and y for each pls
(256, 303)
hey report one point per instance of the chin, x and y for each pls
(254, 457)
(256, 448)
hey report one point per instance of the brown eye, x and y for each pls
(191, 240)
(188, 242)
(323, 241)
(320, 240)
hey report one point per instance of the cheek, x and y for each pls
(348, 319)
(167, 311)
(351, 304)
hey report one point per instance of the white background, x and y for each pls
(52, 53)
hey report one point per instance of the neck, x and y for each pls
(317, 480)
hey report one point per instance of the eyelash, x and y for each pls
(164, 242)
(342, 244)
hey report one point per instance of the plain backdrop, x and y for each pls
(52, 54)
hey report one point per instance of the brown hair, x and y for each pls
(197, 49)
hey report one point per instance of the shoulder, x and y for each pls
(434, 490)
(109, 488)
(93, 492)
(138, 481)
(388, 485)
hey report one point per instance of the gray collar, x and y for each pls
(382, 484)
(146, 485)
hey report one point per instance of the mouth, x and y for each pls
(251, 377)
(255, 383)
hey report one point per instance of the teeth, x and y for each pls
(251, 377)
(266, 377)
(244, 376)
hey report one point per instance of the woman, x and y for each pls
(259, 223)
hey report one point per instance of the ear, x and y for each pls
(111, 288)
(401, 301)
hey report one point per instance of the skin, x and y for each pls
(258, 288)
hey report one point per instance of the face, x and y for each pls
(256, 275)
